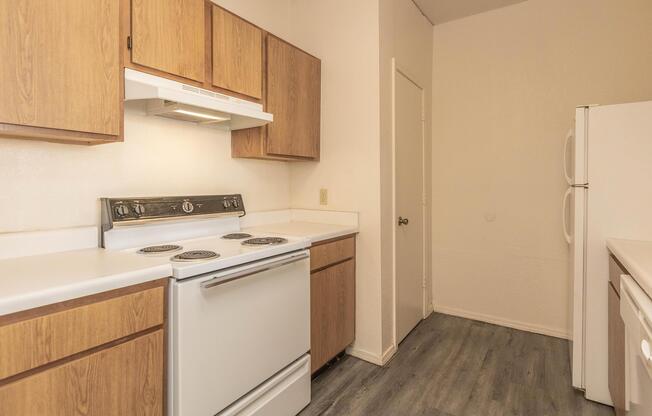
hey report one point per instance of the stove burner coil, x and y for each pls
(195, 255)
(165, 248)
(236, 236)
(264, 241)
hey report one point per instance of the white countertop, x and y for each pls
(636, 257)
(314, 231)
(30, 282)
(38, 280)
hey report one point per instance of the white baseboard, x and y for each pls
(537, 329)
(429, 310)
(372, 358)
(389, 353)
(365, 355)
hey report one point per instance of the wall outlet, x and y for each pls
(323, 196)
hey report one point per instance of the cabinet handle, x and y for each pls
(402, 221)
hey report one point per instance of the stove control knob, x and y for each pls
(226, 203)
(139, 209)
(121, 210)
(187, 207)
(235, 203)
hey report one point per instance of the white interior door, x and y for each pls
(409, 206)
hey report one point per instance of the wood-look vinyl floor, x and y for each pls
(451, 366)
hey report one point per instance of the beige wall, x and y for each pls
(344, 35)
(166, 157)
(405, 35)
(505, 86)
(47, 186)
(273, 16)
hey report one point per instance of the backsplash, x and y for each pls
(49, 186)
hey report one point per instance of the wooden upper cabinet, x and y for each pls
(294, 97)
(60, 70)
(169, 36)
(237, 54)
(292, 92)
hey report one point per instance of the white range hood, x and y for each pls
(171, 99)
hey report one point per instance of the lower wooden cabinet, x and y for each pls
(123, 380)
(332, 300)
(616, 343)
(99, 355)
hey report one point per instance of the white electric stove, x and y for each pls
(239, 321)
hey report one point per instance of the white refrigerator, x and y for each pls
(608, 166)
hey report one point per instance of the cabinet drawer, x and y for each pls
(123, 380)
(615, 271)
(323, 255)
(40, 340)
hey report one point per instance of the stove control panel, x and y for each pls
(126, 211)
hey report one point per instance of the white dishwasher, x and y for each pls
(636, 311)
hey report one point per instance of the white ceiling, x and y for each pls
(440, 11)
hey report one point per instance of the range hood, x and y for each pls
(171, 99)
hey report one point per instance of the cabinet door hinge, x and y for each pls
(128, 42)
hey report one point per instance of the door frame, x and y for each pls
(424, 297)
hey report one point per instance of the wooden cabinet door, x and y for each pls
(42, 340)
(237, 54)
(169, 36)
(60, 65)
(616, 353)
(332, 312)
(123, 380)
(294, 97)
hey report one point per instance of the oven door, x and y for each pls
(233, 330)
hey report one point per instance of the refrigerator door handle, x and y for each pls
(569, 238)
(569, 136)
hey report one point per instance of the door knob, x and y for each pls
(402, 221)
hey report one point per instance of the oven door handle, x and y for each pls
(253, 270)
